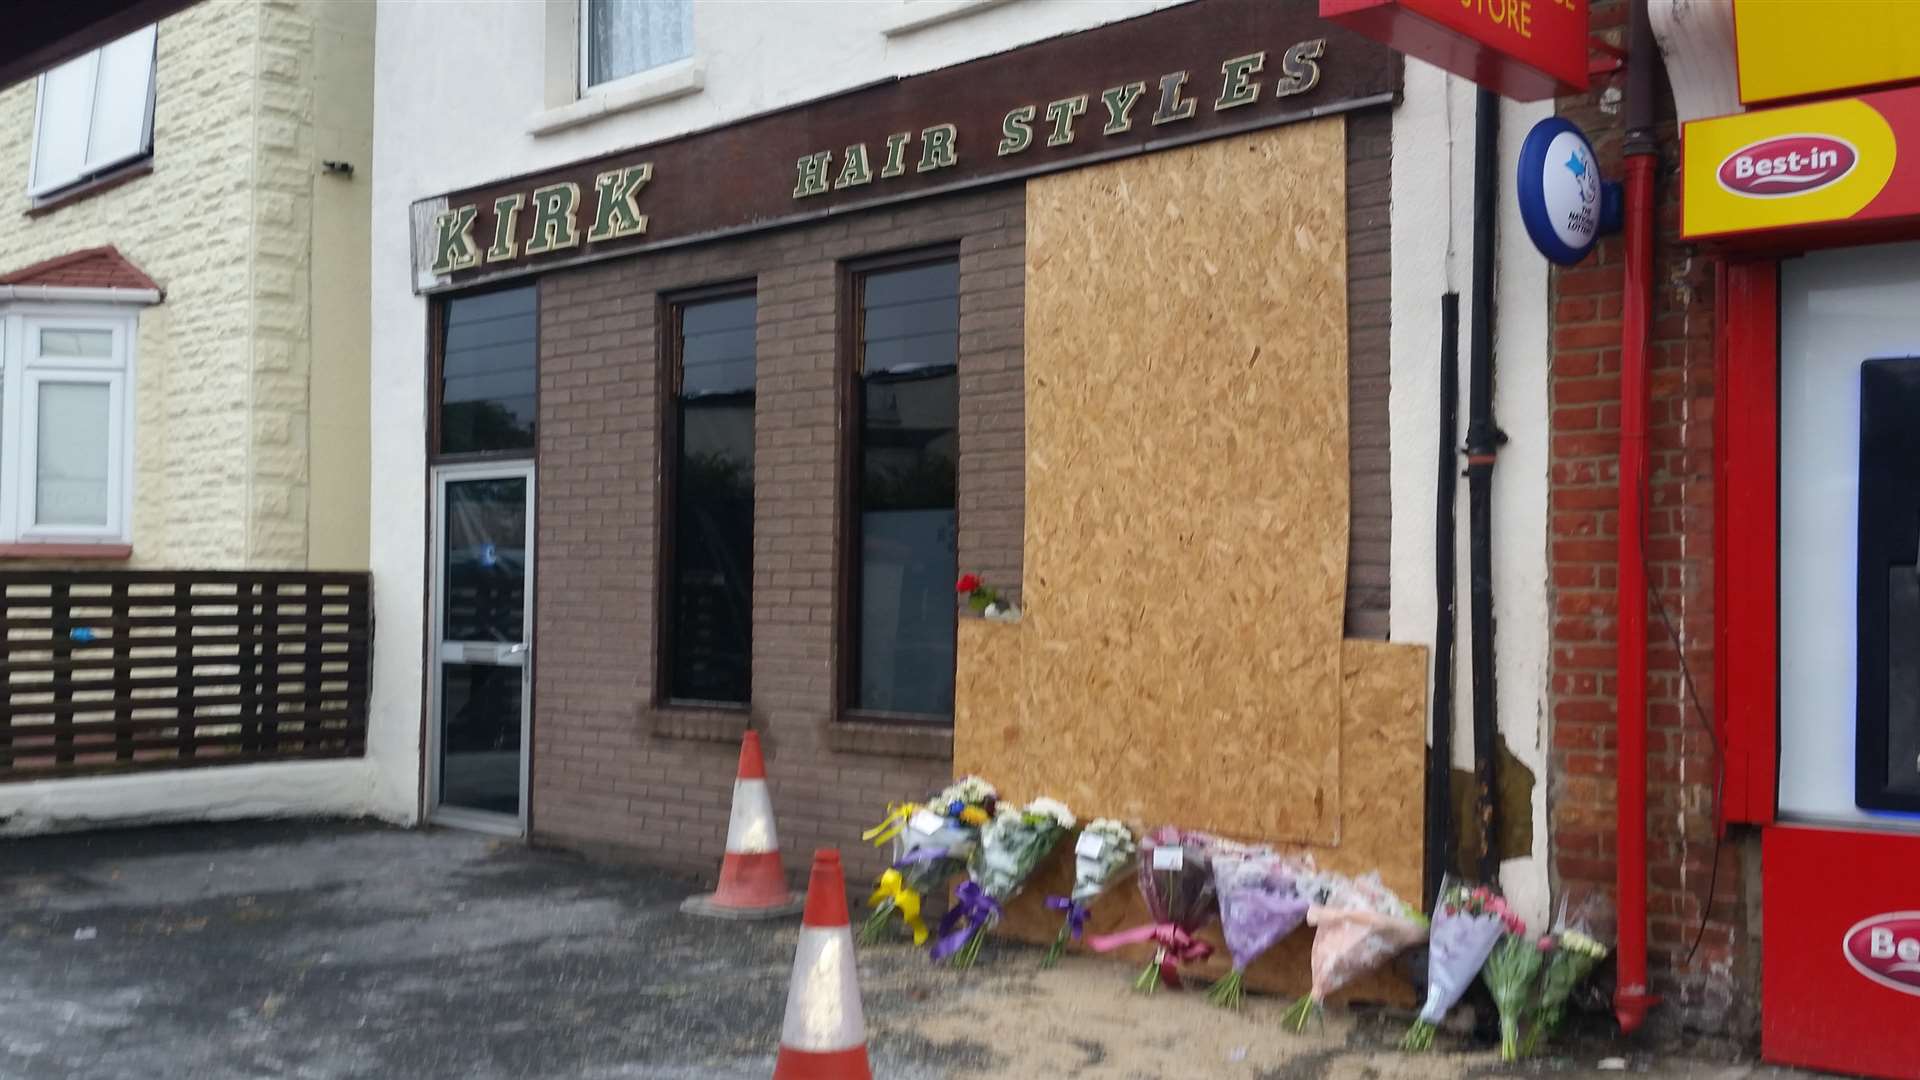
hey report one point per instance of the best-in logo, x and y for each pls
(1886, 949)
(1787, 165)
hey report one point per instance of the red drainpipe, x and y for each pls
(1631, 999)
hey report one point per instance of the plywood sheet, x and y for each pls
(1186, 528)
(1383, 747)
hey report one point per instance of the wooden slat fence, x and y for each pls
(125, 670)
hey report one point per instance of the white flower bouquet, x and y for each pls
(1011, 845)
(1101, 857)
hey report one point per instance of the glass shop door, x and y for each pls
(482, 646)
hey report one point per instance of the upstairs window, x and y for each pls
(95, 114)
(625, 37)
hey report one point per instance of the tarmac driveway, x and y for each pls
(344, 950)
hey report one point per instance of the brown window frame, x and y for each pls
(672, 306)
(852, 348)
(436, 369)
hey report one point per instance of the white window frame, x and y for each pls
(569, 101)
(586, 53)
(22, 373)
(40, 191)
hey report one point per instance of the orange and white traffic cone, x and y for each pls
(825, 1034)
(752, 883)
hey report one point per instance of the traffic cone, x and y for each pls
(752, 884)
(825, 1034)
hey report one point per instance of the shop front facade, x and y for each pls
(697, 392)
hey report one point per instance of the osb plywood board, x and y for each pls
(1383, 756)
(1383, 750)
(1186, 529)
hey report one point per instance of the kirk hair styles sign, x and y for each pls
(1180, 75)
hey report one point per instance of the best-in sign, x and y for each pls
(1828, 166)
(1524, 49)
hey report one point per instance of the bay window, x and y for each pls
(65, 423)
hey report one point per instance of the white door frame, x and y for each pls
(460, 817)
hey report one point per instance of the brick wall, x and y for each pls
(609, 772)
(1369, 366)
(1714, 991)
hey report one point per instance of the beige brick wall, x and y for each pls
(225, 224)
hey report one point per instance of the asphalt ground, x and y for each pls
(328, 951)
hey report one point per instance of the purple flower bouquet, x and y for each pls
(1261, 902)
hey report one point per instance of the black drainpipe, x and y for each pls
(1440, 846)
(1483, 442)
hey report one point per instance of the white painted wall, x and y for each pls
(460, 87)
(1432, 253)
(286, 789)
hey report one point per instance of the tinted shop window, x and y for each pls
(908, 451)
(709, 601)
(488, 372)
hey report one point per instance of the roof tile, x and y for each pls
(92, 268)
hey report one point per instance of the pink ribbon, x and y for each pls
(1174, 941)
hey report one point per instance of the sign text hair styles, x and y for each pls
(1182, 74)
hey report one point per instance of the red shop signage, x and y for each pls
(1523, 49)
(1840, 985)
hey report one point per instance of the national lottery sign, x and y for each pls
(1800, 171)
(1564, 203)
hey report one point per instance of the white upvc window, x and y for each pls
(66, 423)
(95, 112)
(619, 38)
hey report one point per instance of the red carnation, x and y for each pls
(967, 583)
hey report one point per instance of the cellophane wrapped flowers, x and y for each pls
(931, 843)
(1509, 974)
(1261, 902)
(1358, 926)
(1101, 857)
(1573, 949)
(1176, 880)
(1011, 845)
(1467, 923)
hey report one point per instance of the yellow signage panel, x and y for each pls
(1826, 164)
(1799, 48)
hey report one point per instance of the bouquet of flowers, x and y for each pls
(1103, 853)
(1177, 884)
(931, 843)
(1261, 902)
(1573, 951)
(1359, 925)
(1010, 847)
(1509, 974)
(1467, 924)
